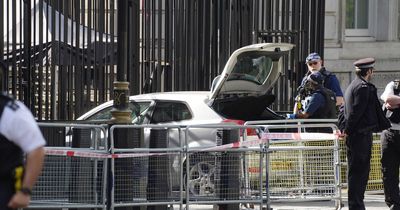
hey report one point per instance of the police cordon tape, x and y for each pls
(100, 155)
(265, 137)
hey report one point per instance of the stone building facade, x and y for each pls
(363, 28)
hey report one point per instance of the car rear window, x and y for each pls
(169, 112)
(253, 68)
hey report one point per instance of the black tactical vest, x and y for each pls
(329, 110)
(11, 155)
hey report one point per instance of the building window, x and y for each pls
(398, 21)
(357, 14)
(359, 20)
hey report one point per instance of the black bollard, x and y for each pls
(227, 176)
(128, 172)
(158, 188)
(82, 173)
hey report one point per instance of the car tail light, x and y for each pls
(249, 131)
(238, 122)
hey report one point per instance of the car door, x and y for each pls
(171, 112)
(139, 113)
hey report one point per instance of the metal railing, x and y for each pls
(173, 165)
(61, 55)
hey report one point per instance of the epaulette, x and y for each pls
(364, 84)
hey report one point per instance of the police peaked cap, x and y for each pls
(364, 63)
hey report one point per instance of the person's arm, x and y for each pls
(34, 165)
(392, 102)
(335, 87)
(304, 115)
(339, 100)
(316, 101)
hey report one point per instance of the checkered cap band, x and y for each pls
(313, 57)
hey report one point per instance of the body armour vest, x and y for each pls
(329, 110)
(11, 155)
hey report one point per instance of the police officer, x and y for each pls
(320, 101)
(19, 134)
(314, 64)
(390, 142)
(361, 110)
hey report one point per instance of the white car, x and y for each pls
(239, 94)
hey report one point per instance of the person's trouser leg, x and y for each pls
(390, 168)
(6, 191)
(358, 157)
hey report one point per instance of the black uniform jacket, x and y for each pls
(360, 111)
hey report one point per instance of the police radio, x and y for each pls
(393, 114)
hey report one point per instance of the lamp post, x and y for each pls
(120, 112)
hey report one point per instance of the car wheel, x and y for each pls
(201, 176)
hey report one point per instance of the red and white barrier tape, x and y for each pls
(72, 153)
(265, 137)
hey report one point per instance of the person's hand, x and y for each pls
(290, 116)
(391, 107)
(342, 134)
(19, 200)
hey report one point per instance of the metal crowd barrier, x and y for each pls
(375, 181)
(72, 177)
(159, 165)
(148, 172)
(224, 179)
(305, 166)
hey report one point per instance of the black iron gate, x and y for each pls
(68, 63)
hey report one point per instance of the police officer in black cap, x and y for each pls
(363, 116)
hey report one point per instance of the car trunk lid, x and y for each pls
(242, 90)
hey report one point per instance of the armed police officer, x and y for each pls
(19, 134)
(363, 115)
(390, 144)
(320, 102)
(330, 81)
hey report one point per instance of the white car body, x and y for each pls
(239, 94)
